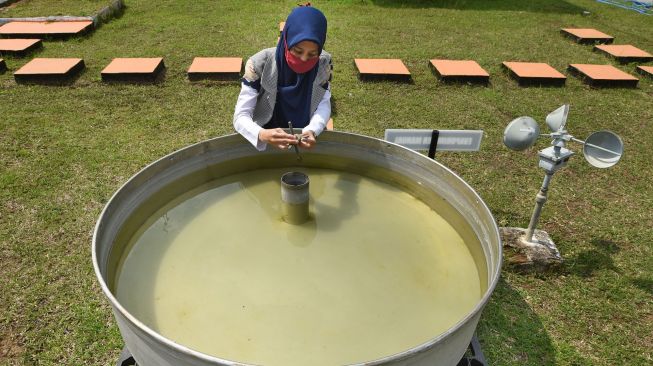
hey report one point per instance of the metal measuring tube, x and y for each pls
(299, 157)
(294, 197)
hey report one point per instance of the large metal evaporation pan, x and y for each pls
(183, 170)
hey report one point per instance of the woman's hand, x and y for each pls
(277, 137)
(307, 140)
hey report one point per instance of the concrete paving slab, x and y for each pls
(49, 70)
(587, 35)
(19, 47)
(382, 69)
(134, 70)
(645, 70)
(534, 73)
(215, 68)
(60, 29)
(603, 76)
(624, 53)
(459, 71)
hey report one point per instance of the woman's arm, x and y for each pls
(243, 122)
(318, 120)
(252, 132)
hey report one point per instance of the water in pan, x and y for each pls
(374, 272)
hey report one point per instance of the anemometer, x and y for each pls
(601, 149)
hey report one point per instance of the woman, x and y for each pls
(289, 83)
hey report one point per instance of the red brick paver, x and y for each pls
(625, 53)
(218, 68)
(645, 70)
(535, 73)
(47, 70)
(603, 75)
(459, 70)
(53, 29)
(136, 69)
(19, 47)
(587, 35)
(381, 69)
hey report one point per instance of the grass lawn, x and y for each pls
(41, 8)
(65, 150)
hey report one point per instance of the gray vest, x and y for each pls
(265, 66)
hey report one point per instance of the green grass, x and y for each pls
(65, 150)
(41, 8)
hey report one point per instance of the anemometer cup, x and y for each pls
(521, 133)
(603, 149)
(557, 119)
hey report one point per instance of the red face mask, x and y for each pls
(297, 65)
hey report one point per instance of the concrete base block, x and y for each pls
(113, 10)
(521, 256)
(6, 2)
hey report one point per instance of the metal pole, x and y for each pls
(539, 203)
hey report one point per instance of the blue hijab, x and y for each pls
(294, 90)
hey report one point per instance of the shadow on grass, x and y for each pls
(643, 284)
(511, 333)
(586, 263)
(535, 6)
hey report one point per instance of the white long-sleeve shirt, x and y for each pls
(246, 103)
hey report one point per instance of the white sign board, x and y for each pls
(448, 140)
